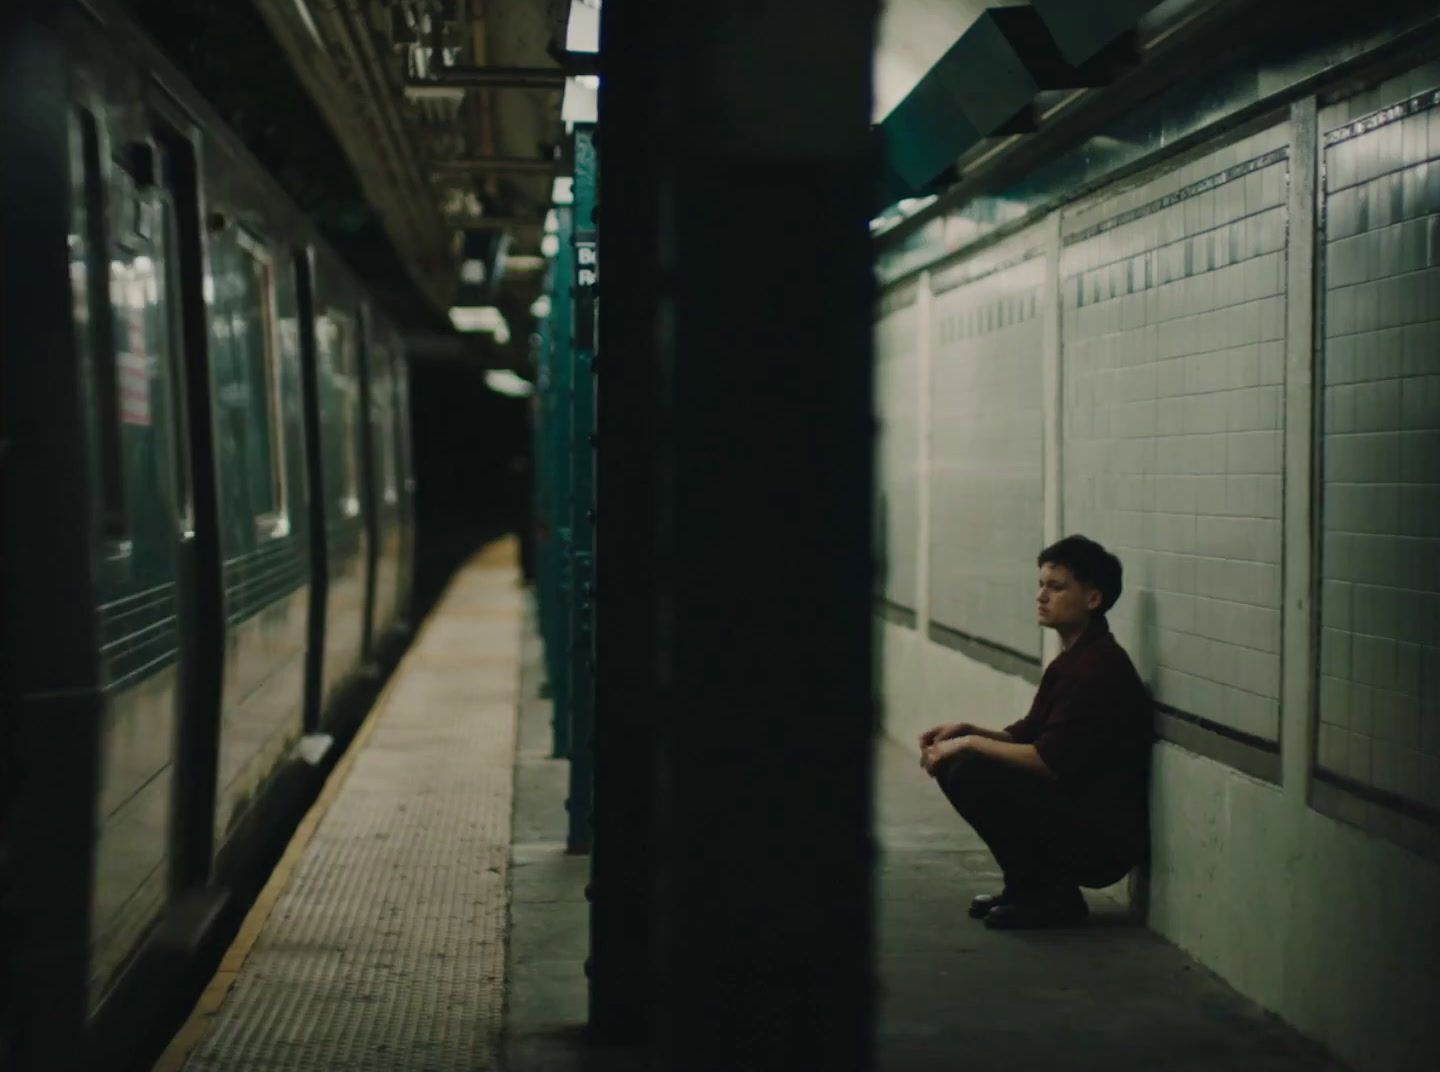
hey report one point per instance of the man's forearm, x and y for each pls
(1021, 756)
(989, 735)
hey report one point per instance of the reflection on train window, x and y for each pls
(388, 447)
(392, 475)
(89, 267)
(264, 445)
(167, 284)
(338, 338)
(141, 308)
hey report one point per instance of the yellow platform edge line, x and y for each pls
(499, 554)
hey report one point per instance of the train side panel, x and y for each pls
(167, 672)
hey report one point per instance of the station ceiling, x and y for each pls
(452, 116)
(450, 113)
(439, 159)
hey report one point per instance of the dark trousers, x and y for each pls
(1029, 825)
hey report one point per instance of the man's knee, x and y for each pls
(968, 778)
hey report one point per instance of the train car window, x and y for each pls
(144, 343)
(261, 369)
(89, 275)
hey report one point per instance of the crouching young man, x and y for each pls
(1060, 796)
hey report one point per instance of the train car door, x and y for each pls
(197, 746)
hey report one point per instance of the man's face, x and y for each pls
(1063, 602)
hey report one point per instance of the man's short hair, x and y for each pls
(1090, 563)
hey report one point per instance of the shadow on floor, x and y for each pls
(1107, 996)
(549, 918)
(1110, 996)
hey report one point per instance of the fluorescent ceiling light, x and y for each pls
(524, 262)
(507, 383)
(562, 192)
(472, 271)
(581, 103)
(552, 222)
(550, 245)
(540, 307)
(582, 32)
(478, 318)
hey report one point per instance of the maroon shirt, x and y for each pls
(1092, 723)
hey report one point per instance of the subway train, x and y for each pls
(208, 526)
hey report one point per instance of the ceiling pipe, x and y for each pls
(510, 164)
(491, 78)
(497, 222)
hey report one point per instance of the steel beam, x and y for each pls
(480, 164)
(350, 81)
(497, 223)
(491, 78)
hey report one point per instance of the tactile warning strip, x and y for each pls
(386, 951)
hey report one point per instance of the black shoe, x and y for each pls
(982, 905)
(1060, 908)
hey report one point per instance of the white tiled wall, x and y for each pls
(897, 445)
(1171, 362)
(1379, 695)
(1173, 355)
(987, 453)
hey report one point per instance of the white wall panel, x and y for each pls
(897, 445)
(1173, 359)
(1179, 339)
(987, 443)
(1379, 692)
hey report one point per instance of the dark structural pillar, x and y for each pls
(627, 389)
(752, 376)
(50, 700)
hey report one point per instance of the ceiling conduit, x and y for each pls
(986, 84)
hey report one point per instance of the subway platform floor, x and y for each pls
(428, 919)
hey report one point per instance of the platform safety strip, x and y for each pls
(384, 946)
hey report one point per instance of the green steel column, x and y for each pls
(546, 558)
(562, 379)
(582, 483)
